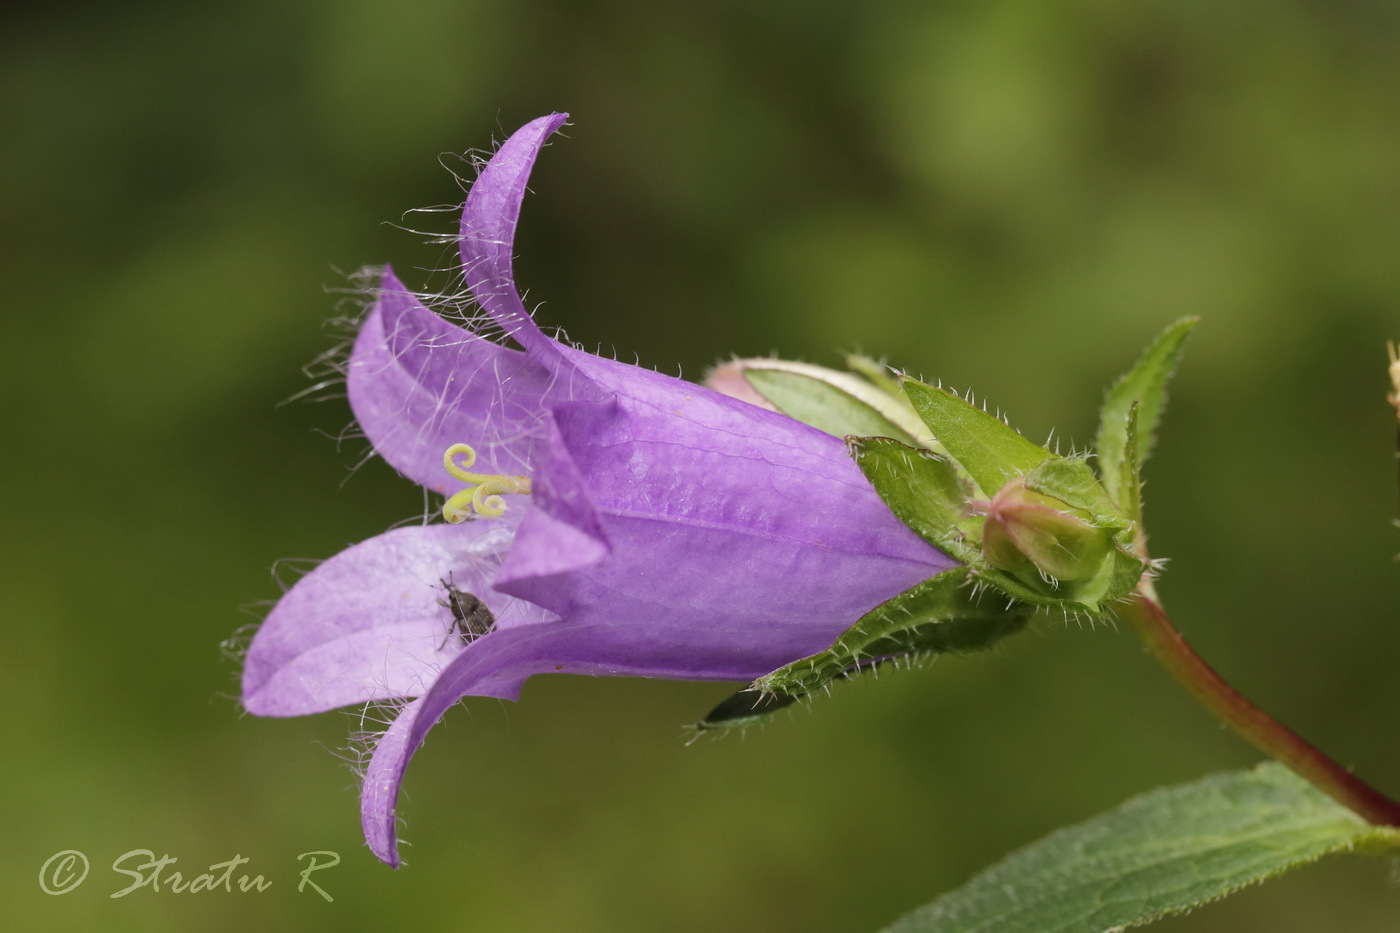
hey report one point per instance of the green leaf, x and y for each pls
(1145, 384)
(921, 488)
(988, 449)
(1160, 854)
(831, 401)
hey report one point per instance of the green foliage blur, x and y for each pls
(1002, 194)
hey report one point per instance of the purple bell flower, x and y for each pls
(626, 523)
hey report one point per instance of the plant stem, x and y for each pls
(1253, 724)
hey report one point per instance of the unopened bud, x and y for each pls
(1027, 530)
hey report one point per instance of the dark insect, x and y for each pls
(470, 617)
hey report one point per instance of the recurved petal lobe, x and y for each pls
(419, 384)
(368, 625)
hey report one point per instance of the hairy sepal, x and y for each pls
(936, 497)
(942, 615)
(1122, 445)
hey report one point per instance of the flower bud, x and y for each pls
(1028, 530)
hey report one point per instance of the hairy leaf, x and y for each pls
(1159, 854)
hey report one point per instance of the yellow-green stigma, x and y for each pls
(483, 494)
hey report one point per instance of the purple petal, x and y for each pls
(719, 516)
(367, 625)
(419, 384)
(497, 664)
(684, 535)
(680, 533)
(745, 522)
(746, 506)
(562, 531)
(488, 232)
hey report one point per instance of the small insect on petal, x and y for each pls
(470, 616)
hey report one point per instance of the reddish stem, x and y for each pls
(1256, 726)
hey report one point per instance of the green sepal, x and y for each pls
(1146, 385)
(942, 615)
(922, 489)
(991, 451)
(926, 492)
(831, 401)
(743, 709)
(1129, 494)
(877, 372)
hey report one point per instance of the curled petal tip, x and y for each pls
(489, 219)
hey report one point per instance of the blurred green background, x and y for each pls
(1012, 196)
